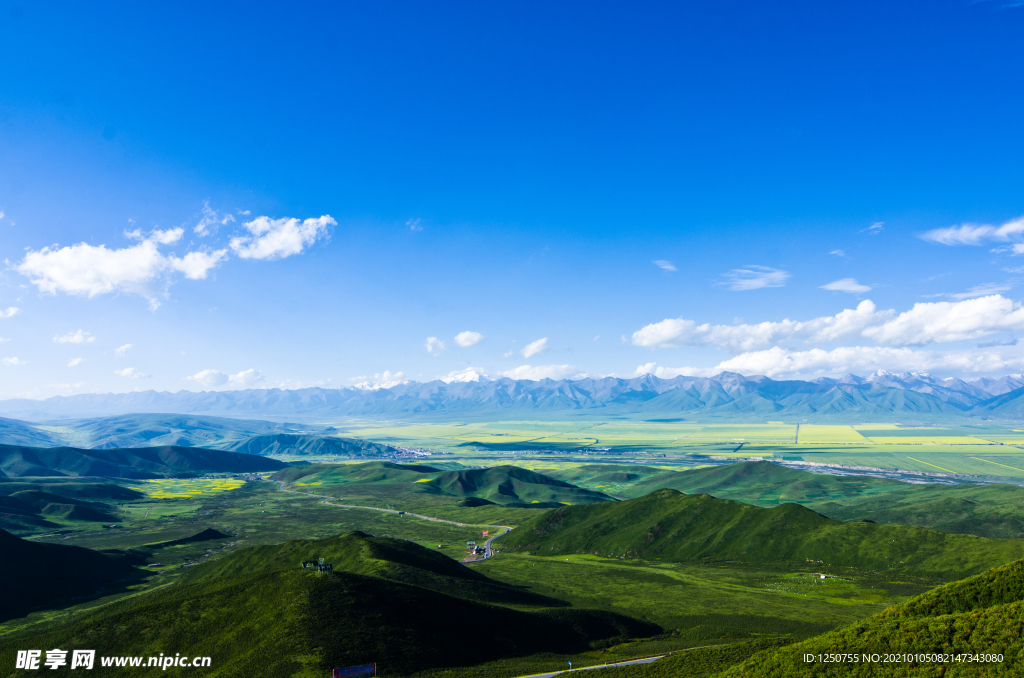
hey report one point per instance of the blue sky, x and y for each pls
(353, 180)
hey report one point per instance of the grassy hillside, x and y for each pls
(144, 462)
(296, 623)
(35, 575)
(511, 485)
(310, 445)
(16, 432)
(668, 525)
(983, 614)
(393, 559)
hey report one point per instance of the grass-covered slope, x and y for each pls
(995, 511)
(393, 559)
(35, 575)
(295, 623)
(668, 525)
(367, 473)
(143, 462)
(307, 445)
(980, 615)
(27, 504)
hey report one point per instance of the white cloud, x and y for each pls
(3, 339)
(167, 237)
(982, 290)
(467, 338)
(245, 379)
(414, 225)
(75, 362)
(216, 378)
(876, 227)
(13, 361)
(387, 379)
(210, 220)
(10, 312)
(925, 323)
(777, 362)
(538, 372)
(434, 346)
(122, 351)
(197, 265)
(92, 270)
(754, 278)
(838, 253)
(131, 373)
(78, 337)
(278, 238)
(664, 265)
(508, 354)
(847, 285)
(535, 347)
(743, 337)
(976, 234)
(465, 375)
(1, 214)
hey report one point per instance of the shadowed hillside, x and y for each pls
(34, 575)
(144, 462)
(290, 622)
(667, 525)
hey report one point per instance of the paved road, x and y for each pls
(645, 660)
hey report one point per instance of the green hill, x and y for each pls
(393, 559)
(27, 504)
(668, 525)
(291, 622)
(142, 462)
(980, 615)
(508, 486)
(307, 445)
(511, 486)
(35, 575)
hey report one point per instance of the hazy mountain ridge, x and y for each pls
(723, 395)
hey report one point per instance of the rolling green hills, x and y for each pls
(508, 486)
(34, 575)
(159, 430)
(296, 623)
(994, 511)
(28, 503)
(306, 445)
(144, 462)
(668, 525)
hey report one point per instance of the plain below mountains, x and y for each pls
(881, 396)
(668, 525)
(391, 603)
(141, 463)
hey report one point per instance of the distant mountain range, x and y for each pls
(725, 395)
